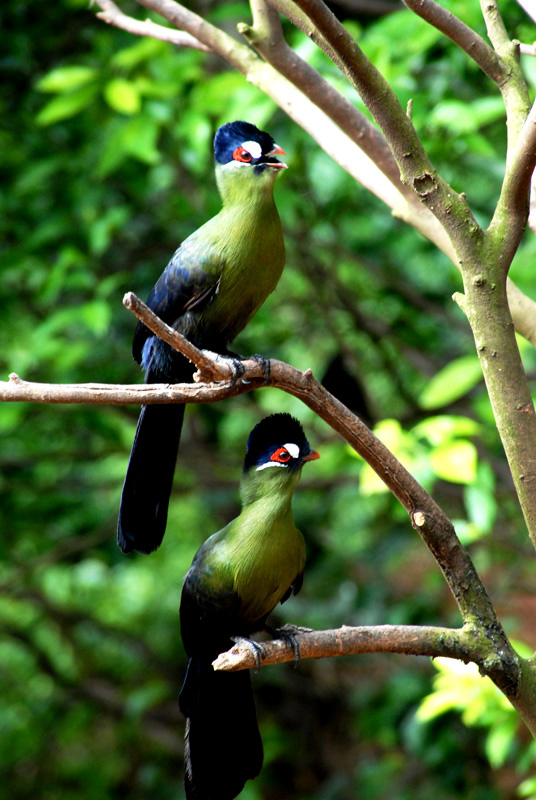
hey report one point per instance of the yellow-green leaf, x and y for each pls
(452, 382)
(65, 106)
(122, 96)
(66, 79)
(455, 462)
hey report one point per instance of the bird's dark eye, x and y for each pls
(281, 454)
(241, 155)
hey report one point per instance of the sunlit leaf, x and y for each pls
(460, 118)
(446, 427)
(455, 462)
(143, 50)
(452, 382)
(527, 788)
(122, 96)
(66, 79)
(66, 105)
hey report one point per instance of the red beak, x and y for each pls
(313, 455)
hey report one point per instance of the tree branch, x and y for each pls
(462, 35)
(510, 215)
(266, 36)
(513, 87)
(450, 208)
(113, 15)
(341, 134)
(415, 640)
(426, 517)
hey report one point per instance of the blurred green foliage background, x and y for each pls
(105, 156)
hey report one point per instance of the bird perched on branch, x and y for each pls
(214, 284)
(237, 578)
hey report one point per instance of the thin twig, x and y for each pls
(113, 15)
(462, 35)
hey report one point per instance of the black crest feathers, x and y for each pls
(233, 134)
(277, 429)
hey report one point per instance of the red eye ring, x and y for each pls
(282, 455)
(242, 155)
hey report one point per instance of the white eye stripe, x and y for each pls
(236, 164)
(253, 148)
(293, 449)
(270, 464)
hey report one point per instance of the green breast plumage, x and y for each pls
(246, 252)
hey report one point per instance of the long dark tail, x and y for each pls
(223, 745)
(147, 486)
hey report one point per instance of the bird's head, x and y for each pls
(278, 443)
(246, 156)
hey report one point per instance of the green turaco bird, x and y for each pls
(214, 284)
(237, 578)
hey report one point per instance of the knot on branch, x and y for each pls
(425, 184)
(418, 519)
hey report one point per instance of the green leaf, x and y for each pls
(455, 462)
(143, 50)
(452, 382)
(461, 118)
(66, 105)
(136, 137)
(480, 499)
(499, 742)
(446, 427)
(97, 316)
(527, 788)
(66, 79)
(400, 443)
(122, 96)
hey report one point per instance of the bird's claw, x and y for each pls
(258, 649)
(265, 364)
(237, 367)
(288, 633)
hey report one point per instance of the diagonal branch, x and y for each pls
(426, 516)
(343, 142)
(510, 216)
(461, 34)
(450, 208)
(266, 36)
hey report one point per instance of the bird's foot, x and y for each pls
(258, 649)
(288, 633)
(265, 364)
(237, 367)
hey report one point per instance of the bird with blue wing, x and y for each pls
(237, 578)
(214, 284)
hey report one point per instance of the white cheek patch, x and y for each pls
(253, 148)
(293, 449)
(236, 164)
(270, 464)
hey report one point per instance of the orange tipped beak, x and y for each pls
(277, 151)
(311, 457)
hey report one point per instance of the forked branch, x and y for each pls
(425, 515)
